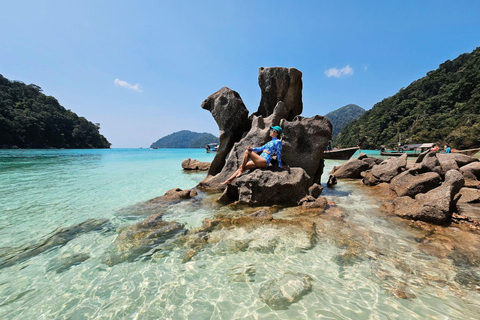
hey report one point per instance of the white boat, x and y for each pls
(212, 147)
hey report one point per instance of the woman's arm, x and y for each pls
(258, 149)
(279, 154)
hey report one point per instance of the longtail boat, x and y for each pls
(342, 154)
(468, 152)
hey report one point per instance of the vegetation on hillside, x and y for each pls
(30, 119)
(443, 106)
(185, 139)
(342, 116)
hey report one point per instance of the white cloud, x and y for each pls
(337, 73)
(125, 84)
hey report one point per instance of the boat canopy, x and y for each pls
(426, 145)
(411, 146)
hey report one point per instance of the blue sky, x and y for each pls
(142, 68)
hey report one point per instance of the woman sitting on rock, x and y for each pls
(263, 160)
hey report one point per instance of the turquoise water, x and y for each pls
(361, 264)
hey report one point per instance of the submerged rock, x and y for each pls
(67, 260)
(173, 195)
(140, 238)
(195, 165)
(59, 238)
(280, 293)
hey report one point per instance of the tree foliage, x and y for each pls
(31, 119)
(342, 116)
(185, 139)
(443, 106)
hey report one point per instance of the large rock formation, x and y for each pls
(231, 115)
(435, 206)
(411, 182)
(269, 186)
(280, 84)
(304, 140)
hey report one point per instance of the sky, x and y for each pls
(142, 68)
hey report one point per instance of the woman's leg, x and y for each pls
(256, 162)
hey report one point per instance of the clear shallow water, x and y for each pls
(362, 265)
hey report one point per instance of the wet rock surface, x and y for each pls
(282, 292)
(140, 238)
(173, 195)
(59, 238)
(195, 165)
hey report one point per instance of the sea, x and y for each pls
(362, 264)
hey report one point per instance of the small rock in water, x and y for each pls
(280, 293)
(67, 260)
(468, 279)
(242, 274)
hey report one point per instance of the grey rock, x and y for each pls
(67, 260)
(410, 183)
(471, 171)
(315, 190)
(468, 195)
(305, 199)
(195, 165)
(435, 206)
(280, 84)
(385, 171)
(264, 214)
(352, 169)
(280, 293)
(269, 186)
(231, 115)
(431, 163)
(460, 159)
(175, 194)
(140, 238)
(320, 203)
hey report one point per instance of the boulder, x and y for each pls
(385, 171)
(282, 292)
(268, 187)
(195, 165)
(353, 168)
(431, 163)
(173, 195)
(460, 159)
(320, 203)
(231, 115)
(471, 171)
(140, 238)
(280, 84)
(315, 190)
(468, 195)
(411, 182)
(262, 214)
(436, 206)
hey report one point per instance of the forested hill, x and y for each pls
(443, 106)
(185, 139)
(30, 119)
(340, 117)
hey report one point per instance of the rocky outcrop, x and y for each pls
(353, 168)
(315, 190)
(471, 172)
(174, 195)
(280, 84)
(280, 293)
(412, 182)
(268, 187)
(303, 144)
(310, 202)
(231, 115)
(469, 195)
(140, 238)
(385, 171)
(430, 163)
(435, 206)
(195, 165)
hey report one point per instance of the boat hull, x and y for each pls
(468, 152)
(340, 154)
(399, 154)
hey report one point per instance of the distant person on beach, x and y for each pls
(252, 160)
(435, 148)
(447, 148)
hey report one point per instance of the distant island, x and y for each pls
(185, 139)
(33, 120)
(342, 116)
(443, 106)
